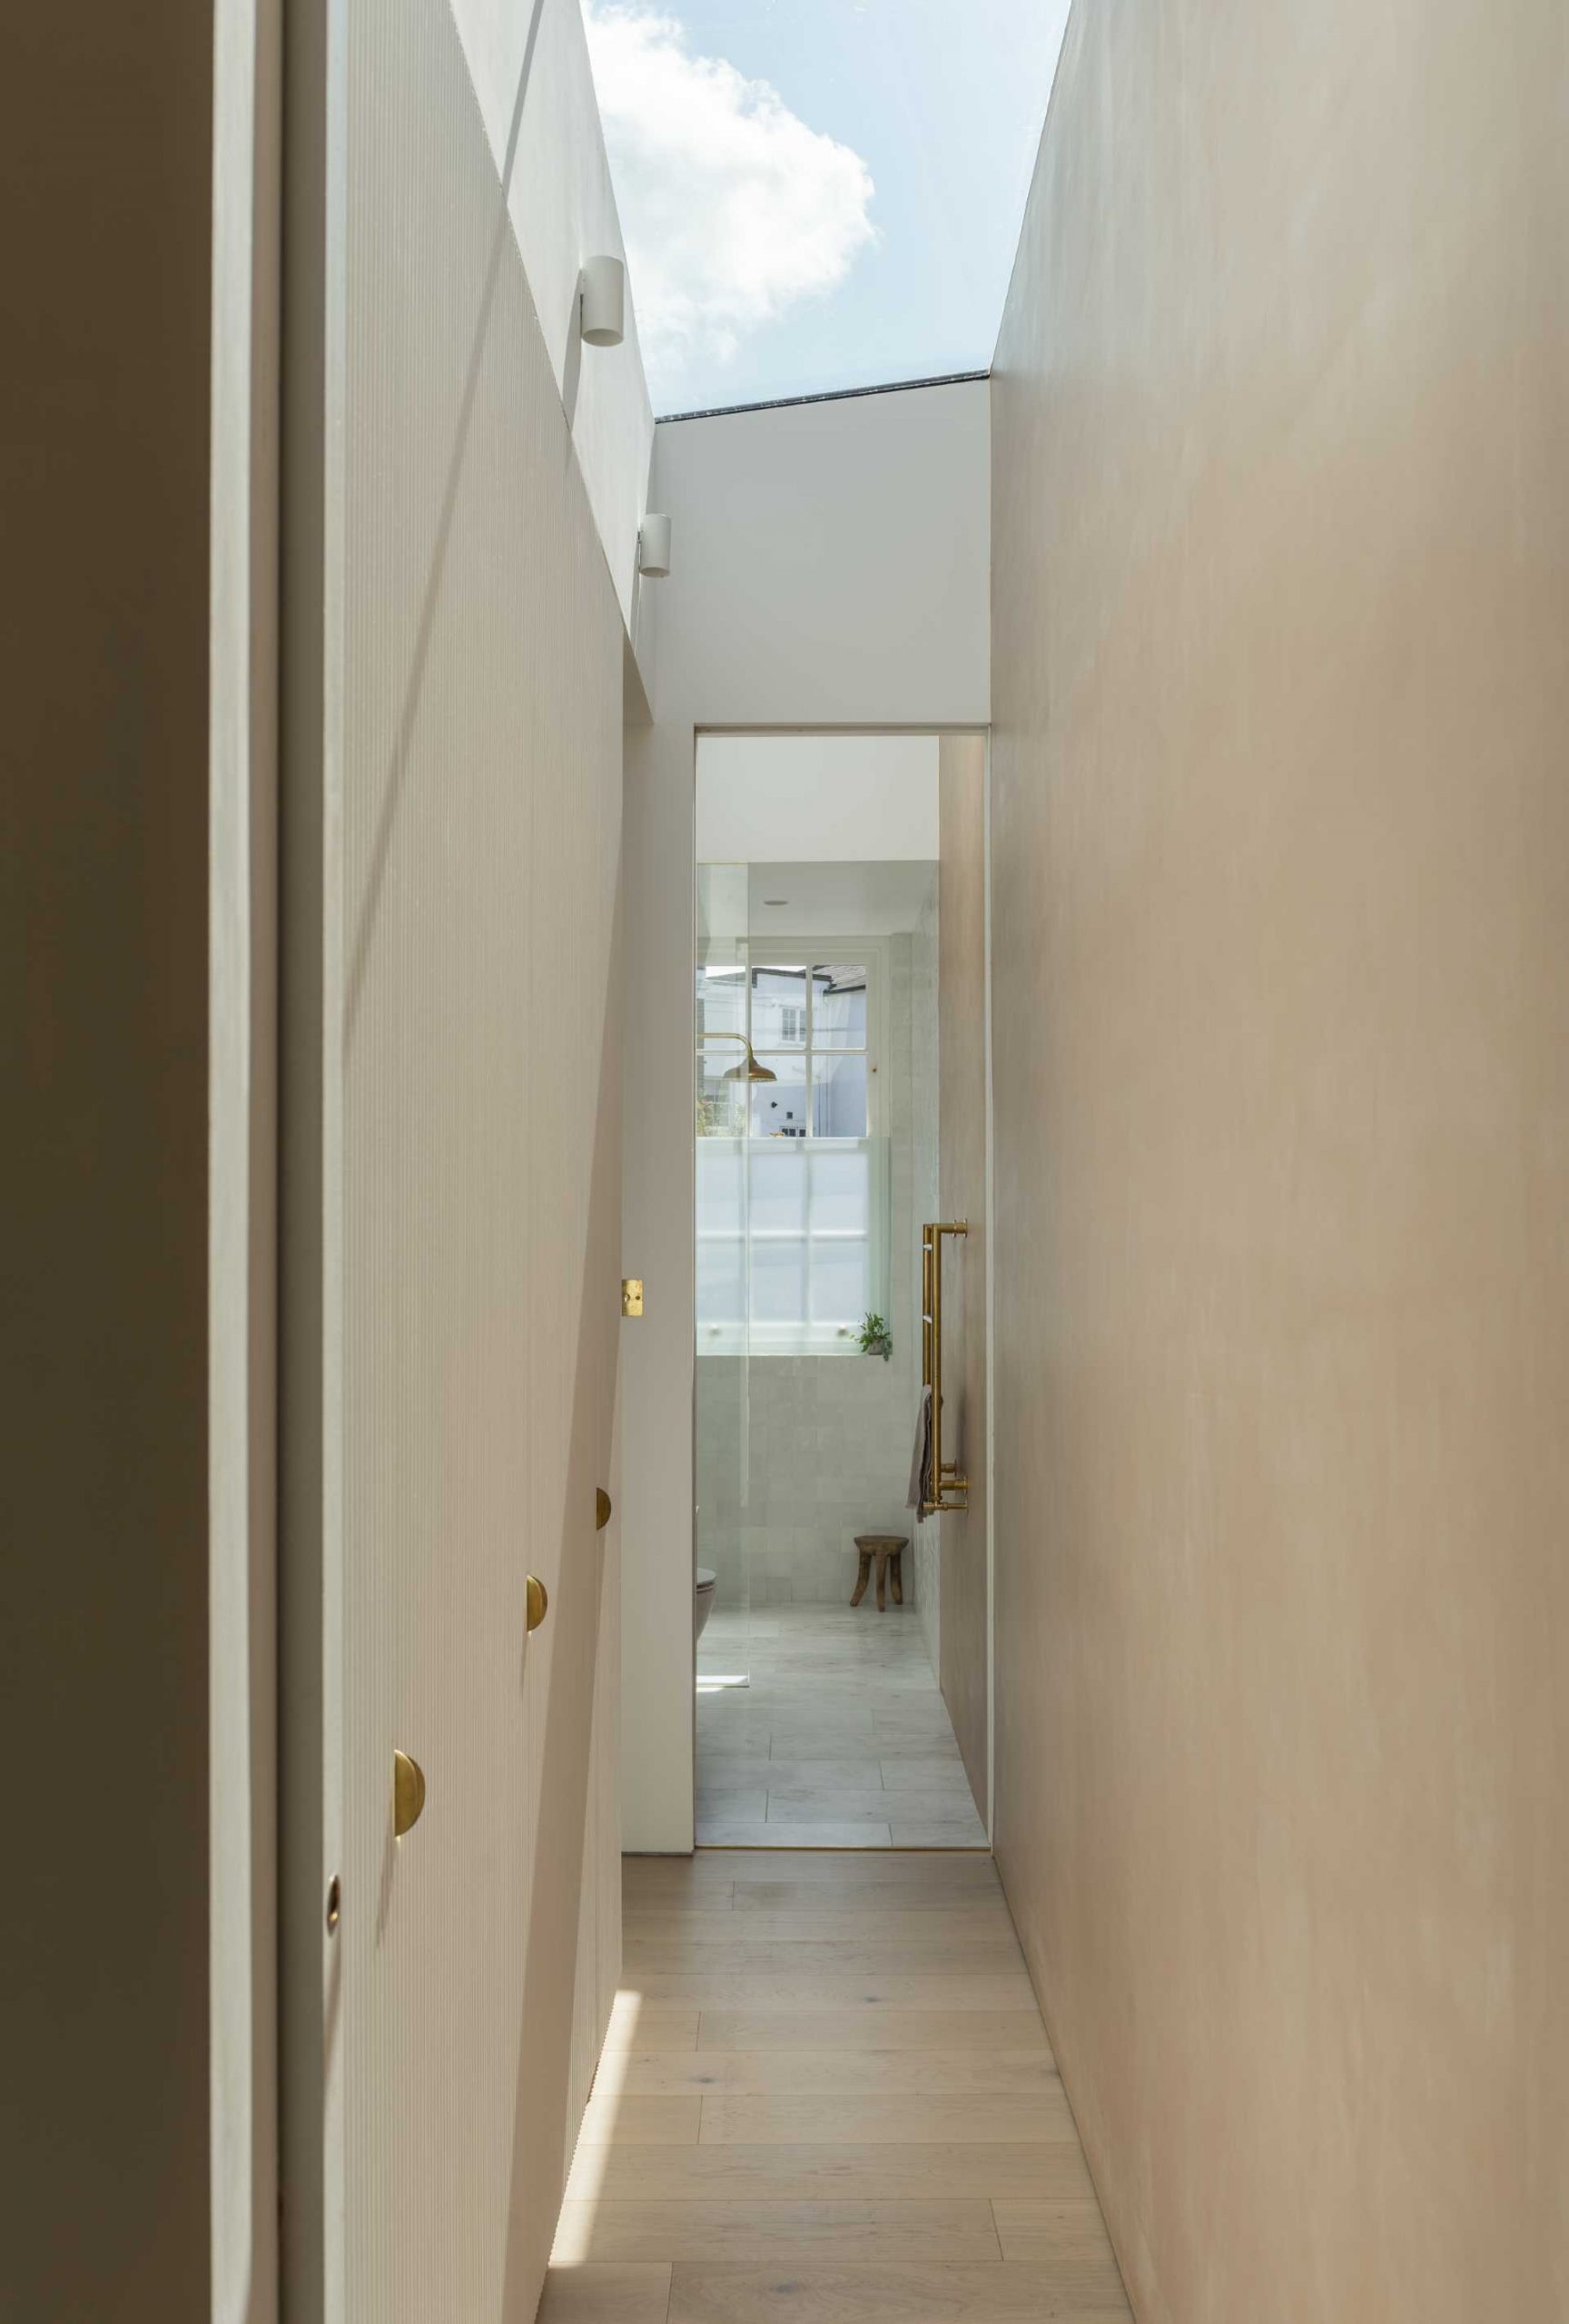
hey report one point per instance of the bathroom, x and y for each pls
(820, 1589)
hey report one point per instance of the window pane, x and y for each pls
(721, 1104)
(779, 1107)
(840, 1190)
(838, 1282)
(778, 1283)
(778, 1007)
(722, 1002)
(839, 1008)
(838, 1097)
(779, 1190)
(721, 1282)
(719, 1187)
(722, 1013)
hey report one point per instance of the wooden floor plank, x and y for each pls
(884, 2231)
(992, 1952)
(635, 2023)
(1065, 2236)
(957, 1925)
(903, 2294)
(804, 1988)
(869, 2029)
(974, 1869)
(614, 2117)
(1050, 2170)
(628, 2294)
(913, 1893)
(931, 2119)
(821, 2072)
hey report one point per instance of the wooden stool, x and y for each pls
(888, 1549)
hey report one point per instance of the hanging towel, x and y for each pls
(921, 1490)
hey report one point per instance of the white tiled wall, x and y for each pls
(795, 1455)
(826, 1456)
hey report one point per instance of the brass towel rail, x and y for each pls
(947, 1478)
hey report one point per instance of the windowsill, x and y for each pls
(720, 1343)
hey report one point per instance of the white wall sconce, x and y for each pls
(654, 547)
(602, 301)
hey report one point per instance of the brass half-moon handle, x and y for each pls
(408, 1793)
(539, 1601)
(601, 1508)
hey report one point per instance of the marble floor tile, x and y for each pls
(840, 1738)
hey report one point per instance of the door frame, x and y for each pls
(966, 728)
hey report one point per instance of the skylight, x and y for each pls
(819, 193)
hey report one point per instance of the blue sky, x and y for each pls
(819, 193)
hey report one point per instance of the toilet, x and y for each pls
(703, 1599)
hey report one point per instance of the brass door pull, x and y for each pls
(539, 1601)
(601, 1508)
(408, 1793)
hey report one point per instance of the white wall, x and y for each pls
(865, 799)
(831, 562)
(831, 568)
(528, 61)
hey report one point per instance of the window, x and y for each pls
(790, 1196)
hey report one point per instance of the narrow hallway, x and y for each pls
(826, 2097)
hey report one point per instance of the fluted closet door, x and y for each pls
(473, 709)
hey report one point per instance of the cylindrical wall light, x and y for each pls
(654, 547)
(602, 301)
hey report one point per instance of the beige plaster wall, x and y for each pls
(106, 236)
(1281, 979)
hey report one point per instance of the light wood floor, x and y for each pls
(827, 2098)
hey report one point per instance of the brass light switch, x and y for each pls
(631, 1295)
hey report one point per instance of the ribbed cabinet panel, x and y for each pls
(481, 784)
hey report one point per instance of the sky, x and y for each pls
(819, 193)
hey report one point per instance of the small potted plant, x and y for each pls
(876, 1339)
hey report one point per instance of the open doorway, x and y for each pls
(839, 1396)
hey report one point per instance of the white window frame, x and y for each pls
(806, 1338)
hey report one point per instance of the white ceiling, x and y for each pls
(837, 899)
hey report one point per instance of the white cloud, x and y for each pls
(733, 209)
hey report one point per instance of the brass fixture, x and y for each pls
(334, 1904)
(632, 1295)
(946, 1475)
(602, 1506)
(748, 1069)
(408, 1793)
(539, 1601)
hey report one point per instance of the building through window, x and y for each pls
(790, 1171)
